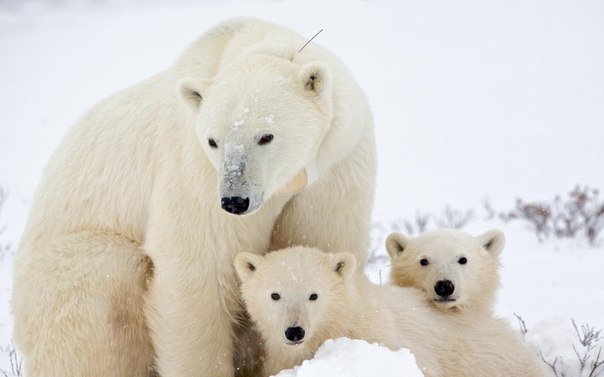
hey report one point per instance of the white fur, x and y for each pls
(348, 305)
(475, 281)
(127, 256)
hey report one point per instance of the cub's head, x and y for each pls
(291, 294)
(260, 121)
(456, 270)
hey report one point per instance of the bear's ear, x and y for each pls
(493, 241)
(315, 78)
(189, 91)
(396, 244)
(343, 264)
(246, 265)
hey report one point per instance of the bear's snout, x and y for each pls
(235, 204)
(294, 334)
(444, 288)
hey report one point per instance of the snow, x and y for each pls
(345, 357)
(471, 99)
(559, 345)
(234, 162)
(238, 123)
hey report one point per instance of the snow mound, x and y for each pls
(569, 351)
(345, 357)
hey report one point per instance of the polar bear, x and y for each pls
(126, 265)
(299, 297)
(458, 272)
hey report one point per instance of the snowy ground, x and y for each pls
(472, 100)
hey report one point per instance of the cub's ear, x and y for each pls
(246, 265)
(396, 244)
(493, 241)
(343, 264)
(189, 91)
(315, 78)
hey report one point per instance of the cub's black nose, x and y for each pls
(235, 204)
(444, 288)
(295, 334)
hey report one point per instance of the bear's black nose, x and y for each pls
(295, 334)
(235, 204)
(444, 288)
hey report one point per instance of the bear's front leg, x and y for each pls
(190, 327)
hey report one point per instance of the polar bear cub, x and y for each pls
(458, 272)
(299, 297)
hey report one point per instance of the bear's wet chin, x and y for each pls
(445, 299)
(296, 343)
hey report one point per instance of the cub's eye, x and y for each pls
(275, 296)
(265, 139)
(424, 262)
(313, 297)
(462, 260)
(212, 143)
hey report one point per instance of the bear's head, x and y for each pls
(292, 294)
(456, 270)
(261, 121)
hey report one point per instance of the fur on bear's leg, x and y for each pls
(78, 307)
(190, 314)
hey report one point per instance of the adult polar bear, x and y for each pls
(128, 252)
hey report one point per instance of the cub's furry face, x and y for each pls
(290, 293)
(456, 270)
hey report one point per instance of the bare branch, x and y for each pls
(523, 328)
(551, 365)
(596, 364)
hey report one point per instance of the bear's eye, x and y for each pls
(462, 260)
(265, 139)
(424, 262)
(275, 296)
(313, 297)
(212, 143)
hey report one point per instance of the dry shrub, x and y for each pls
(579, 214)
